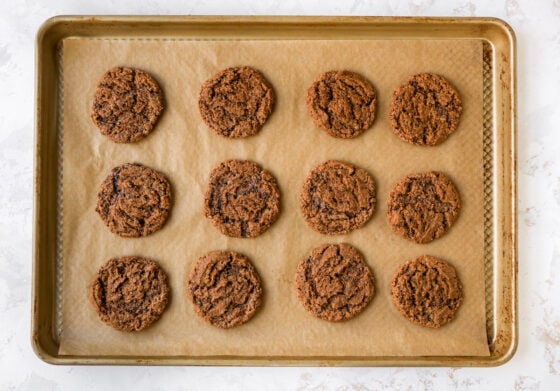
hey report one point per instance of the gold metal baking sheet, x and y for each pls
(498, 143)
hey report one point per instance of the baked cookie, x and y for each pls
(242, 199)
(342, 103)
(423, 207)
(334, 282)
(225, 289)
(427, 291)
(236, 102)
(134, 200)
(425, 110)
(129, 293)
(127, 104)
(337, 198)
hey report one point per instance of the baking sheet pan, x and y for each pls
(500, 269)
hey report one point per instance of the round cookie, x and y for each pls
(225, 289)
(423, 207)
(127, 104)
(342, 103)
(425, 110)
(427, 291)
(242, 199)
(334, 282)
(130, 293)
(337, 198)
(236, 102)
(134, 200)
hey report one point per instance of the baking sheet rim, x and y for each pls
(509, 182)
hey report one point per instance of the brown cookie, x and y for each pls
(423, 207)
(134, 200)
(334, 282)
(427, 291)
(425, 110)
(127, 104)
(337, 198)
(342, 103)
(225, 289)
(236, 102)
(129, 293)
(242, 199)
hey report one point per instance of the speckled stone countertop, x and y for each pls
(535, 366)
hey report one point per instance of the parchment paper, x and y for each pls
(288, 146)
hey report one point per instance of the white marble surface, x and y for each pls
(537, 362)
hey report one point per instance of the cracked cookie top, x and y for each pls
(337, 198)
(236, 102)
(225, 289)
(134, 200)
(423, 207)
(334, 282)
(427, 291)
(425, 110)
(130, 293)
(342, 103)
(127, 104)
(242, 199)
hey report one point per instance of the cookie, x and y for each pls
(334, 282)
(425, 110)
(242, 199)
(337, 198)
(127, 104)
(342, 103)
(134, 200)
(236, 102)
(427, 291)
(129, 293)
(423, 207)
(225, 289)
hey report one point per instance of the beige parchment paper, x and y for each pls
(288, 146)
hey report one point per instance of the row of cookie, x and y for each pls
(333, 283)
(243, 200)
(237, 102)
